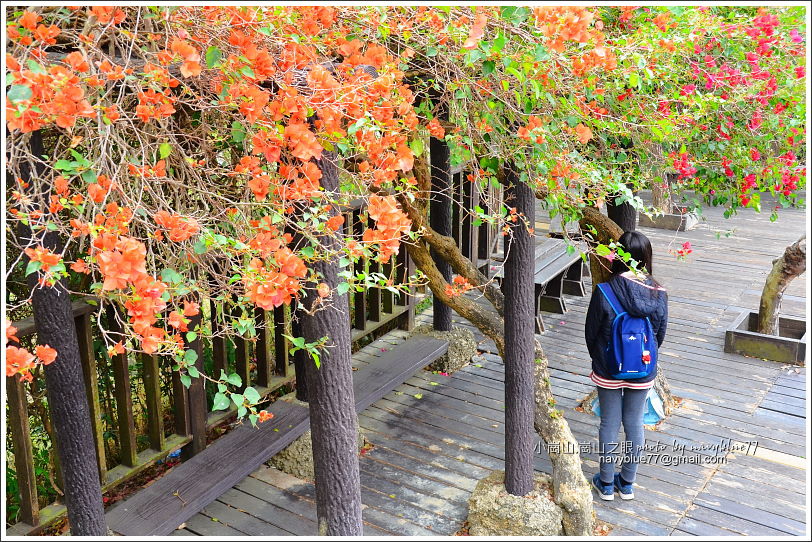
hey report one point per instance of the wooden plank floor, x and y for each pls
(742, 427)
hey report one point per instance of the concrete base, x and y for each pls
(297, 458)
(676, 222)
(789, 346)
(461, 347)
(492, 511)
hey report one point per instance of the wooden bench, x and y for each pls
(192, 485)
(557, 272)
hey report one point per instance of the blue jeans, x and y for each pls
(626, 405)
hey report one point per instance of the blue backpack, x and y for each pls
(633, 344)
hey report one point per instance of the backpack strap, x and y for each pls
(610, 296)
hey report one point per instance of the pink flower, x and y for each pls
(800, 72)
(796, 36)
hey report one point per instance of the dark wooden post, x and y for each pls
(333, 421)
(440, 210)
(23, 453)
(198, 408)
(70, 415)
(123, 395)
(624, 215)
(519, 340)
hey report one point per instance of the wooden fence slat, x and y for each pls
(387, 297)
(359, 298)
(198, 409)
(152, 386)
(405, 270)
(262, 350)
(218, 344)
(469, 231)
(280, 321)
(123, 395)
(84, 334)
(23, 451)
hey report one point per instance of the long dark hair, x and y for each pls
(639, 247)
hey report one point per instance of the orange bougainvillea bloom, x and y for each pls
(584, 133)
(43, 255)
(108, 14)
(334, 223)
(190, 308)
(18, 360)
(179, 228)
(264, 416)
(45, 354)
(125, 263)
(29, 20)
(302, 142)
(477, 31)
(390, 224)
(436, 129)
(80, 266)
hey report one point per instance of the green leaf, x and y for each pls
(237, 399)
(35, 66)
(193, 372)
(634, 79)
(213, 56)
(186, 380)
(241, 410)
(253, 419)
(488, 67)
(19, 93)
(190, 356)
(308, 252)
(89, 176)
(237, 132)
(234, 379)
(32, 267)
(251, 395)
(221, 402)
(171, 276)
(417, 146)
(316, 359)
(164, 150)
(343, 288)
(191, 336)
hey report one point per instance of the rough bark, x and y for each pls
(70, 414)
(624, 214)
(571, 491)
(661, 194)
(791, 264)
(607, 231)
(519, 340)
(440, 215)
(333, 421)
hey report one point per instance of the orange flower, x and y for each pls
(46, 354)
(180, 228)
(46, 258)
(584, 133)
(108, 14)
(334, 223)
(17, 360)
(190, 308)
(80, 266)
(435, 129)
(29, 20)
(264, 416)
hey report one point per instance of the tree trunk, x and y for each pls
(785, 269)
(519, 339)
(70, 414)
(440, 214)
(624, 215)
(661, 195)
(607, 231)
(571, 491)
(333, 421)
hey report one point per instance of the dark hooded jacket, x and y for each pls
(638, 300)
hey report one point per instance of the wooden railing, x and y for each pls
(171, 417)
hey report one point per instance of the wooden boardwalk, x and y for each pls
(435, 436)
